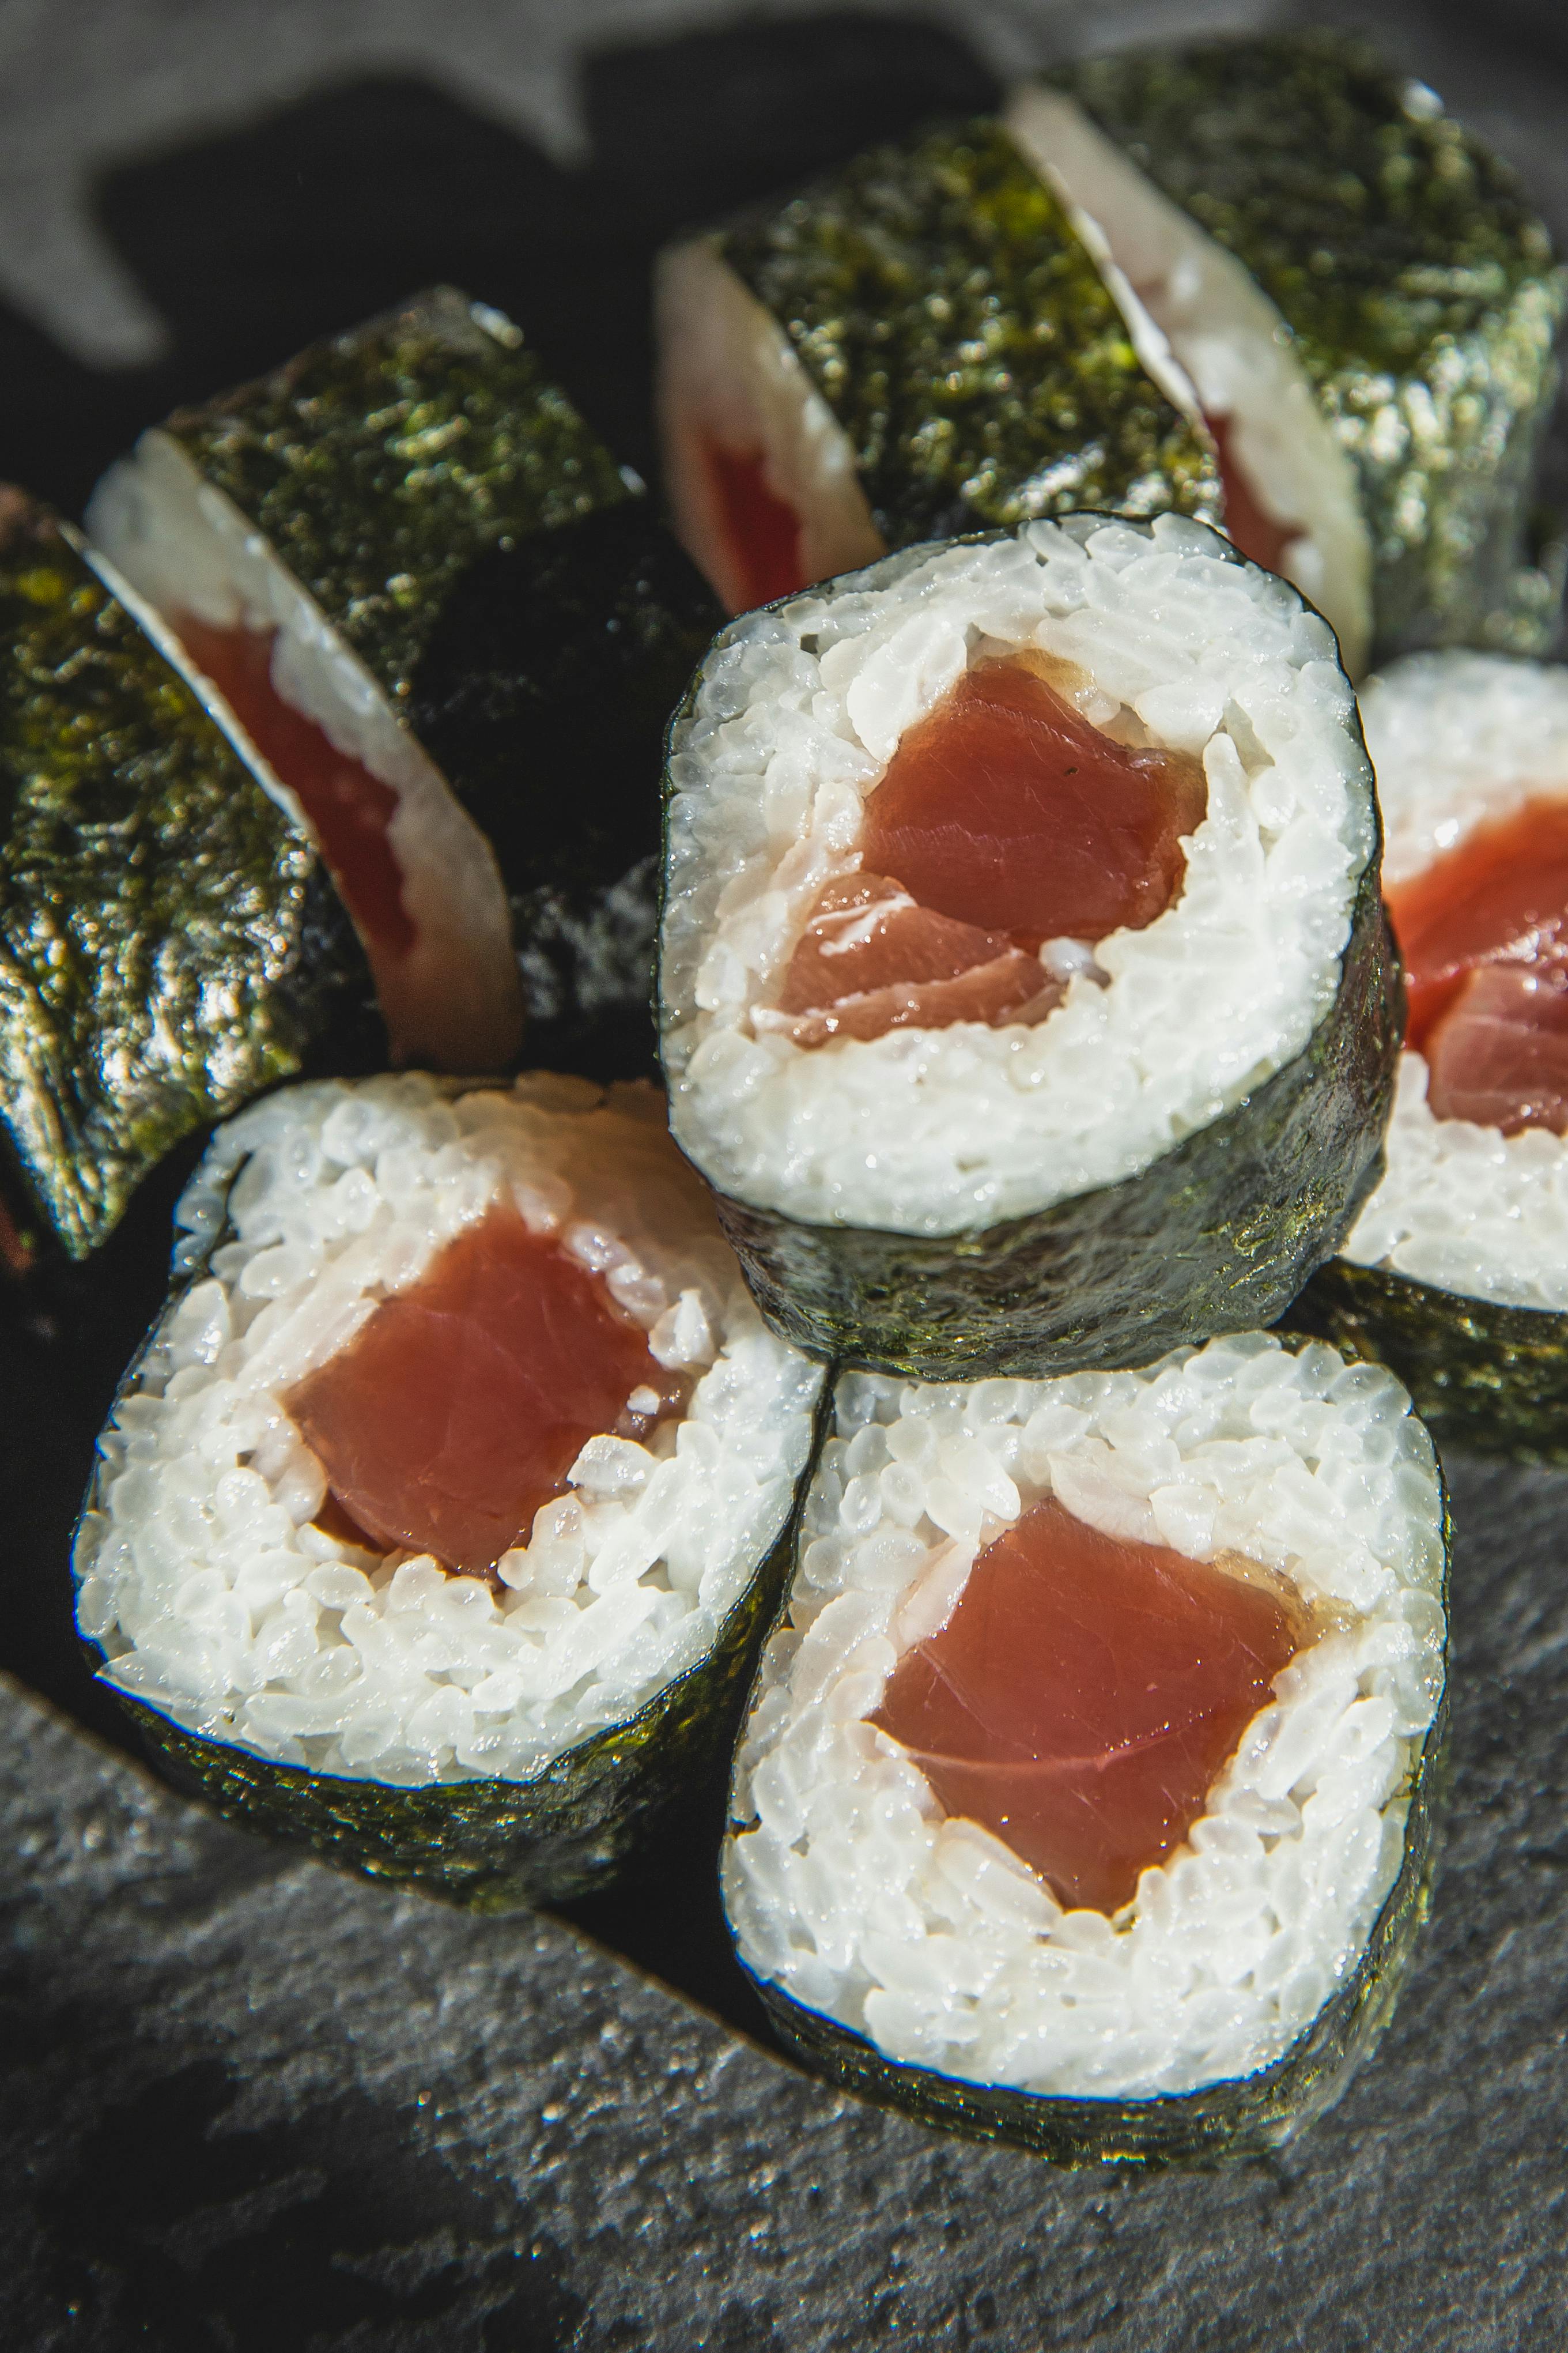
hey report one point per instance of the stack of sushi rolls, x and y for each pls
(441, 1518)
(1084, 1796)
(929, 341)
(1455, 1274)
(170, 941)
(1364, 301)
(1063, 1073)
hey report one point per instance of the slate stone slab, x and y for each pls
(247, 2104)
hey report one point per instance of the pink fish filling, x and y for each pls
(1004, 820)
(462, 1403)
(1084, 1697)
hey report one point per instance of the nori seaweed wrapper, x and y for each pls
(381, 463)
(1483, 1375)
(544, 694)
(943, 305)
(612, 1805)
(169, 943)
(1419, 288)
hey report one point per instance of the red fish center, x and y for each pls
(1004, 820)
(1484, 936)
(463, 1402)
(762, 531)
(1258, 535)
(1084, 1696)
(347, 808)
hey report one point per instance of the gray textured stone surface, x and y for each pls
(239, 2091)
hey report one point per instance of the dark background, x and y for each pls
(1428, 2211)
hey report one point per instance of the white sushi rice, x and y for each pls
(848, 1887)
(200, 1572)
(1166, 641)
(1459, 740)
(1232, 342)
(181, 545)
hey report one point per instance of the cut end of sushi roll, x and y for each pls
(1312, 231)
(301, 535)
(454, 1474)
(1084, 1798)
(140, 998)
(921, 344)
(1021, 935)
(1457, 1270)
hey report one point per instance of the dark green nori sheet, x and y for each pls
(605, 1809)
(1419, 286)
(169, 943)
(544, 694)
(381, 463)
(967, 342)
(1490, 1377)
(1221, 2123)
(1217, 1236)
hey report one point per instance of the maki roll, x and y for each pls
(301, 535)
(170, 942)
(544, 694)
(1456, 1273)
(1364, 301)
(925, 342)
(439, 1521)
(1085, 1795)
(1026, 990)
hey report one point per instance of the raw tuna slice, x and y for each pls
(1498, 1055)
(1005, 820)
(1084, 1696)
(347, 809)
(1261, 539)
(763, 531)
(909, 969)
(463, 1402)
(1500, 895)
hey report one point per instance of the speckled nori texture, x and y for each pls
(169, 943)
(965, 340)
(381, 463)
(1418, 283)
(544, 694)
(1486, 1377)
(1217, 1236)
(1220, 2124)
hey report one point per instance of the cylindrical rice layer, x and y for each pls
(928, 341)
(1098, 1943)
(170, 942)
(1182, 1121)
(1456, 1273)
(303, 536)
(544, 693)
(1365, 303)
(405, 1307)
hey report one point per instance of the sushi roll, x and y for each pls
(1085, 1797)
(924, 344)
(1367, 306)
(301, 536)
(440, 1520)
(170, 941)
(1026, 990)
(1456, 1273)
(544, 693)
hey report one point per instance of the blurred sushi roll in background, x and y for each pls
(1456, 1272)
(441, 1519)
(170, 940)
(544, 692)
(1365, 303)
(1085, 1795)
(923, 343)
(1026, 993)
(303, 536)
